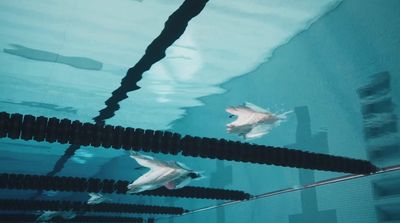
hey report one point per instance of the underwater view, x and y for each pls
(217, 111)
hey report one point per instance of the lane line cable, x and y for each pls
(330, 181)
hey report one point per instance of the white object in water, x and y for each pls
(49, 215)
(172, 175)
(253, 121)
(50, 193)
(97, 198)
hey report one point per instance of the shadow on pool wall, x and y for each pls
(320, 68)
(47, 56)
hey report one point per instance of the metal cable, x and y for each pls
(291, 189)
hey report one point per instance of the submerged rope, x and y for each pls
(62, 205)
(32, 218)
(63, 131)
(107, 186)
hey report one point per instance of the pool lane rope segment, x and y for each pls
(28, 127)
(107, 186)
(76, 206)
(32, 218)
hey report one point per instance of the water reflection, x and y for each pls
(48, 106)
(47, 56)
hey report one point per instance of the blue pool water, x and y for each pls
(334, 64)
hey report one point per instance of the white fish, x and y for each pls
(49, 215)
(97, 198)
(252, 121)
(172, 175)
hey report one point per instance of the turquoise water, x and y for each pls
(64, 59)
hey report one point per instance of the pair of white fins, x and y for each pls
(252, 121)
(170, 174)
